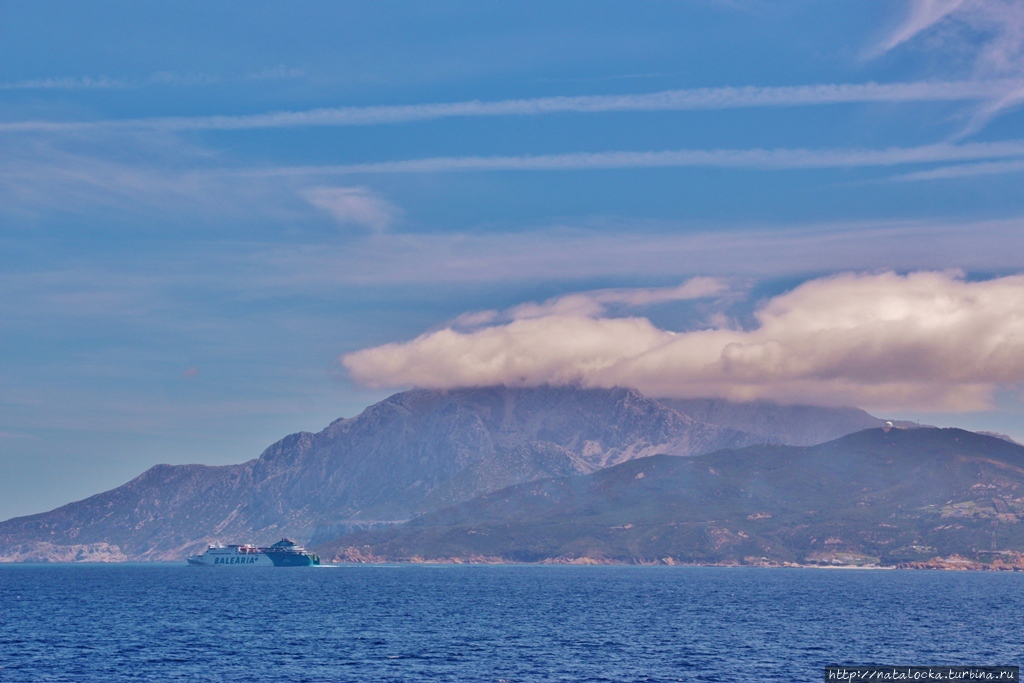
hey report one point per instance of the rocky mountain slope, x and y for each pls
(791, 425)
(874, 497)
(414, 452)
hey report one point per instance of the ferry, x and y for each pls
(284, 553)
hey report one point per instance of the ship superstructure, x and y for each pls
(284, 553)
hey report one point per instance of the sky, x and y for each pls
(224, 223)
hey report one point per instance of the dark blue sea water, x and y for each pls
(494, 623)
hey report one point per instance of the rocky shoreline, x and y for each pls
(1007, 561)
(101, 553)
(41, 552)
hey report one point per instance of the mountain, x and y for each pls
(411, 453)
(792, 425)
(875, 497)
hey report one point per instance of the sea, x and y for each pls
(163, 622)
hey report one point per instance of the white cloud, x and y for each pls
(182, 79)
(15, 435)
(991, 110)
(108, 83)
(85, 82)
(354, 206)
(592, 304)
(668, 100)
(992, 31)
(922, 15)
(275, 73)
(756, 159)
(636, 250)
(37, 179)
(927, 340)
(178, 187)
(1003, 22)
(964, 171)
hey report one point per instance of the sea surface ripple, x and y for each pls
(494, 623)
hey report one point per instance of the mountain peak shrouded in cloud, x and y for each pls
(925, 340)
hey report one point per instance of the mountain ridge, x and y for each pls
(410, 454)
(876, 497)
(413, 452)
(788, 424)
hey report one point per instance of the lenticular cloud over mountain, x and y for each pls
(926, 340)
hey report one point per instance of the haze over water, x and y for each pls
(494, 623)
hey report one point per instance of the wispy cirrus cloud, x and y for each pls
(990, 30)
(927, 340)
(1002, 53)
(754, 251)
(129, 177)
(68, 83)
(354, 206)
(964, 171)
(668, 100)
(278, 72)
(922, 15)
(758, 159)
(108, 83)
(74, 287)
(986, 113)
(37, 179)
(16, 435)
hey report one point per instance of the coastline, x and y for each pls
(954, 563)
(578, 562)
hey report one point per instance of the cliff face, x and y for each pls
(414, 452)
(900, 497)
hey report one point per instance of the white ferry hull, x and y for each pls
(205, 560)
(284, 553)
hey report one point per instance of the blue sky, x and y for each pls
(207, 213)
